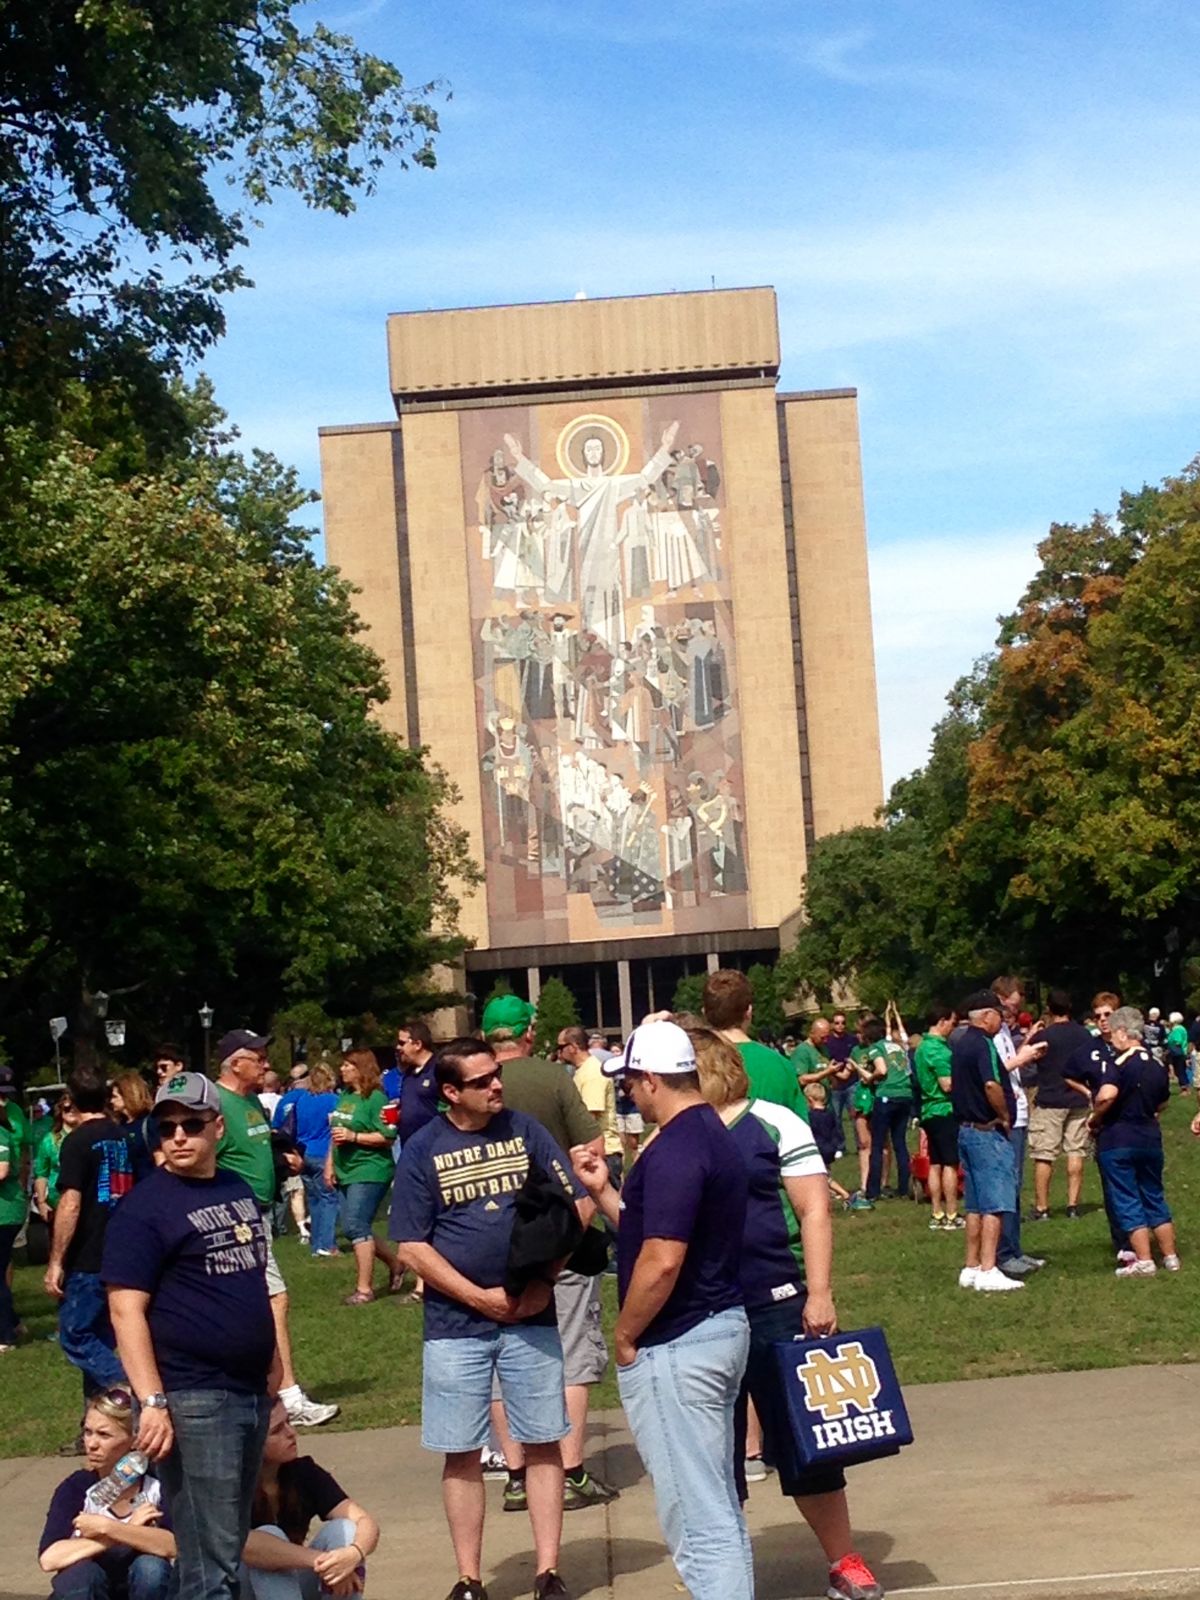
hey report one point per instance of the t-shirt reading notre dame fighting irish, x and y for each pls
(456, 1191)
(198, 1248)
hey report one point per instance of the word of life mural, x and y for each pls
(606, 695)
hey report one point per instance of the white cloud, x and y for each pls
(934, 604)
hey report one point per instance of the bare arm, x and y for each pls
(335, 1567)
(136, 1534)
(809, 1199)
(266, 1553)
(128, 1308)
(1105, 1096)
(995, 1099)
(433, 1267)
(66, 1220)
(64, 1553)
(655, 1274)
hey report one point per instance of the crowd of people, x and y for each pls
(697, 1157)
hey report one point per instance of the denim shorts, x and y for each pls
(456, 1390)
(360, 1202)
(1133, 1180)
(989, 1170)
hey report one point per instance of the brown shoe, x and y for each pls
(360, 1297)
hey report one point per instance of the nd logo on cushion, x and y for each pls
(834, 1383)
(843, 1399)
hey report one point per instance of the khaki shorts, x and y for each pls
(275, 1283)
(1054, 1131)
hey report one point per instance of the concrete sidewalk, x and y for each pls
(1069, 1484)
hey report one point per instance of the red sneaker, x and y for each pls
(852, 1579)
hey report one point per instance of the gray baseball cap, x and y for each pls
(190, 1089)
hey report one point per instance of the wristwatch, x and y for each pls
(154, 1402)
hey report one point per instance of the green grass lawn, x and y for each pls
(888, 1269)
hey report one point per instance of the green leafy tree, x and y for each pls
(689, 992)
(135, 142)
(769, 1020)
(556, 1010)
(194, 788)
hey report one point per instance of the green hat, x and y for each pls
(508, 1011)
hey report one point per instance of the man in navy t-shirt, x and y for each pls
(682, 1337)
(982, 1096)
(411, 1082)
(185, 1268)
(453, 1208)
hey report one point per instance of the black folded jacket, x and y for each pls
(546, 1228)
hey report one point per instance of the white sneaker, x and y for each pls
(306, 1413)
(993, 1281)
(494, 1468)
(1137, 1269)
(967, 1277)
(1171, 1263)
(1124, 1257)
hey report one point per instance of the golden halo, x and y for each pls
(612, 435)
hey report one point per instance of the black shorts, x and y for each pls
(764, 1385)
(942, 1134)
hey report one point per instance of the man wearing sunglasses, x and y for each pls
(185, 1260)
(453, 1208)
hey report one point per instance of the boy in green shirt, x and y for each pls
(728, 1006)
(932, 1067)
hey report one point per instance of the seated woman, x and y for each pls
(122, 1551)
(277, 1562)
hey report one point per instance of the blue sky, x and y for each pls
(982, 215)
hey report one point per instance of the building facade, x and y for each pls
(619, 583)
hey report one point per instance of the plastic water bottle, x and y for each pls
(129, 1470)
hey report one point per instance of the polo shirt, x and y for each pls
(975, 1061)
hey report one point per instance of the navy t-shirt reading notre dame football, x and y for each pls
(198, 1248)
(456, 1191)
(689, 1185)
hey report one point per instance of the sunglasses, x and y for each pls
(118, 1397)
(193, 1127)
(483, 1080)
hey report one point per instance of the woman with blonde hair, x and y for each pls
(130, 1102)
(99, 1547)
(360, 1162)
(786, 1265)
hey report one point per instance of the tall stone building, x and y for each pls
(620, 586)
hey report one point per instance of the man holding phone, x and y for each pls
(1020, 1065)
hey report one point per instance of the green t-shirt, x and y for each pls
(246, 1145)
(1177, 1039)
(542, 1090)
(19, 1123)
(45, 1163)
(863, 1098)
(896, 1083)
(807, 1058)
(12, 1196)
(362, 1163)
(933, 1062)
(772, 1077)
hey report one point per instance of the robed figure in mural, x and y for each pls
(597, 497)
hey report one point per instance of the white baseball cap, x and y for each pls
(659, 1047)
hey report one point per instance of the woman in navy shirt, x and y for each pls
(1126, 1106)
(787, 1213)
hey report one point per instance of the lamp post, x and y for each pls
(206, 1022)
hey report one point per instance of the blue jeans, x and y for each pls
(85, 1334)
(839, 1104)
(456, 1388)
(679, 1399)
(209, 1477)
(145, 1578)
(989, 1174)
(298, 1584)
(322, 1207)
(1009, 1247)
(359, 1203)
(1133, 1181)
(8, 1313)
(889, 1119)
